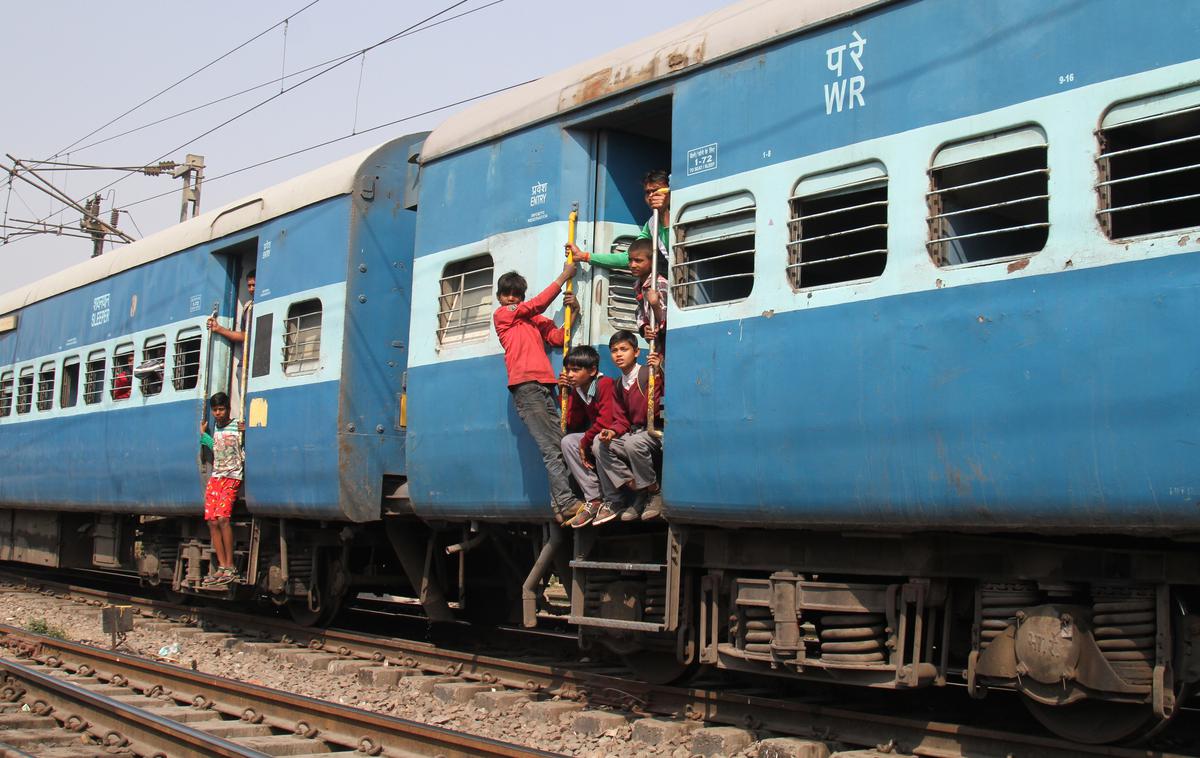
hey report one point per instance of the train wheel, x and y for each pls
(317, 609)
(1098, 722)
(658, 667)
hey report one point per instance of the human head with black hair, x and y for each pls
(250, 282)
(656, 185)
(581, 365)
(219, 405)
(641, 253)
(623, 346)
(510, 288)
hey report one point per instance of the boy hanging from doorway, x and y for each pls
(228, 463)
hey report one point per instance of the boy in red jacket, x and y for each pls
(593, 410)
(628, 462)
(524, 334)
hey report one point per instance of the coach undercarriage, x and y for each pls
(1099, 642)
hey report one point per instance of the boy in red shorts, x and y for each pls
(222, 489)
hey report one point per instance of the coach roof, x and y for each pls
(711, 37)
(334, 179)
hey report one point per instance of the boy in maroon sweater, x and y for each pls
(524, 334)
(628, 462)
(594, 417)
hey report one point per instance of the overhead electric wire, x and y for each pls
(276, 80)
(189, 76)
(337, 62)
(335, 140)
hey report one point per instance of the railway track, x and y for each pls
(598, 686)
(146, 708)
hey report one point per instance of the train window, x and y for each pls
(150, 371)
(714, 251)
(464, 305)
(68, 394)
(93, 378)
(622, 291)
(25, 390)
(838, 227)
(989, 198)
(1150, 165)
(185, 372)
(6, 393)
(302, 338)
(122, 372)
(45, 386)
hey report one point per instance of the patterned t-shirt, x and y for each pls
(228, 457)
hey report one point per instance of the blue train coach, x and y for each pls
(932, 265)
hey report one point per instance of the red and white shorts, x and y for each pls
(219, 496)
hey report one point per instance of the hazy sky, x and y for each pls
(73, 67)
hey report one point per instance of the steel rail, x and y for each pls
(114, 723)
(332, 723)
(918, 736)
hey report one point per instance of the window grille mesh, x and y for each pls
(25, 391)
(185, 371)
(93, 380)
(839, 235)
(464, 302)
(6, 394)
(45, 387)
(714, 252)
(122, 373)
(302, 338)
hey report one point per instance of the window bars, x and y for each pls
(93, 379)
(150, 370)
(6, 394)
(989, 198)
(464, 302)
(185, 369)
(714, 251)
(25, 390)
(1149, 165)
(622, 291)
(121, 386)
(68, 395)
(45, 387)
(838, 228)
(302, 338)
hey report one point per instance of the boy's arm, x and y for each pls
(551, 333)
(611, 415)
(610, 260)
(540, 302)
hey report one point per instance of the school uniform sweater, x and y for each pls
(593, 416)
(633, 399)
(524, 334)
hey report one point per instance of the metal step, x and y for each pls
(649, 568)
(630, 626)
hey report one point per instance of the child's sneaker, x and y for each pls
(604, 515)
(653, 507)
(565, 515)
(586, 513)
(634, 511)
(224, 576)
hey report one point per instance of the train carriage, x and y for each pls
(931, 265)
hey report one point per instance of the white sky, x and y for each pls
(72, 67)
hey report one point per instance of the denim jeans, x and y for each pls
(538, 408)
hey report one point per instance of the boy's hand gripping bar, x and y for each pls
(653, 313)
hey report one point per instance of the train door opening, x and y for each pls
(629, 144)
(229, 349)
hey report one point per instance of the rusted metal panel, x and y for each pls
(645, 67)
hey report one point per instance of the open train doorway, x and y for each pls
(629, 144)
(231, 337)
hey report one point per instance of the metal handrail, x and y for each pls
(838, 258)
(987, 233)
(984, 182)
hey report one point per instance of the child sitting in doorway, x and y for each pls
(593, 417)
(628, 461)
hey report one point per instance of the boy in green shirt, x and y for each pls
(657, 189)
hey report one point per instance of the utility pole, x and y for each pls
(192, 171)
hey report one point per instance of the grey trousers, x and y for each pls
(588, 481)
(629, 458)
(538, 408)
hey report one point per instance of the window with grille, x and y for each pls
(6, 393)
(838, 227)
(45, 387)
(464, 305)
(302, 338)
(714, 251)
(25, 390)
(1149, 165)
(989, 198)
(622, 291)
(185, 371)
(121, 386)
(93, 378)
(150, 371)
(68, 393)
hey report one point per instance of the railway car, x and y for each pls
(107, 367)
(929, 420)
